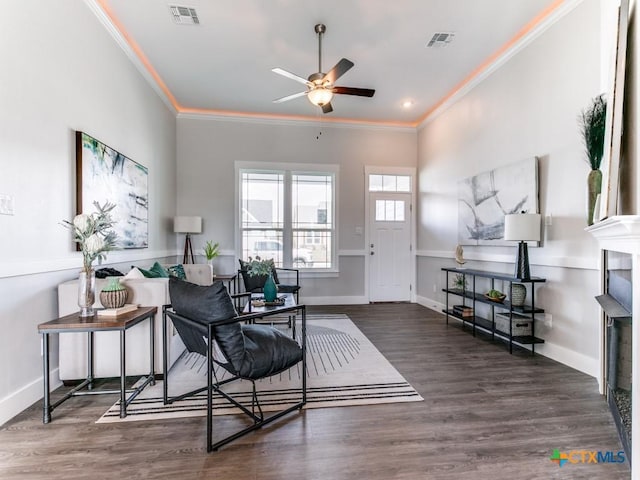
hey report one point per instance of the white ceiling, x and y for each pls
(224, 64)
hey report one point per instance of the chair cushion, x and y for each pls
(288, 288)
(207, 304)
(269, 351)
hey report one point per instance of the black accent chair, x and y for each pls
(204, 316)
(255, 284)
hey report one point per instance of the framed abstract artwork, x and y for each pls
(613, 125)
(484, 200)
(106, 175)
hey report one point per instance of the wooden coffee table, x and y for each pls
(75, 323)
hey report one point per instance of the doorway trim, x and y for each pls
(411, 171)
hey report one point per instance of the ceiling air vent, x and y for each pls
(441, 39)
(184, 15)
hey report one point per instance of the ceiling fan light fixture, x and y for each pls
(320, 96)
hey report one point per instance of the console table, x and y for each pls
(475, 294)
(96, 323)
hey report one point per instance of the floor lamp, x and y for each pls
(522, 227)
(187, 225)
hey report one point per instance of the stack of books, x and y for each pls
(463, 311)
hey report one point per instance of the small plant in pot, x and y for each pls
(259, 267)
(460, 281)
(211, 250)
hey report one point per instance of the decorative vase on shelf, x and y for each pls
(114, 295)
(270, 289)
(518, 294)
(594, 185)
(86, 292)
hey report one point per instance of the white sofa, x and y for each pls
(106, 357)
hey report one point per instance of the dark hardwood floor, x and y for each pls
(486, 415)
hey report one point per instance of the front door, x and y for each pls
(389, 247)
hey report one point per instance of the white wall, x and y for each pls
(527, 108)
(61, 72)
(208, 149)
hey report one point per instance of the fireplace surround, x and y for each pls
(619, 241)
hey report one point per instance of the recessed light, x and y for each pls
(407, 104)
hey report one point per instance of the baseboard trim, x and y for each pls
(429, 303)
(352, 300)
(570, 358)
(578, 361)
(17, 401)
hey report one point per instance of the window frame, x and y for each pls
(289, 169)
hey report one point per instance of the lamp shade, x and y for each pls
(522, 226)
(187, 224)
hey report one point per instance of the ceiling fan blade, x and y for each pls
(327, 108)
(336, 72)
(289, 97)
(360, 92)
(292, 76)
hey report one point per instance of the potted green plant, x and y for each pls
(259, 267)
(592, 127)
(211, 250)
(460, 281)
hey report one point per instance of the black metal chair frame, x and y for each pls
(258, 419)
(241, 274)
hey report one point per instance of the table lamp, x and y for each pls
(187, 225)
(522, 227)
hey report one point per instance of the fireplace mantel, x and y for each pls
(622, 234)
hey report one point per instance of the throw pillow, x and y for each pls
(177, 271)
(156, 271)
(134, 273)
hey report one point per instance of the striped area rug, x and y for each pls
(343, 368)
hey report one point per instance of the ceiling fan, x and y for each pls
(320, 86)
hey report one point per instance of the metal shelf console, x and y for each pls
(488, 325)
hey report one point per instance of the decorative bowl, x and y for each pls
(499, 299)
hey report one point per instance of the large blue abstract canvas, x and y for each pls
(105, 175)
(484, 200)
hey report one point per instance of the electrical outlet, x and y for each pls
(548, 320)
(6, 204)
(435, 288)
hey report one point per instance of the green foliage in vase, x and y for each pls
(260, 267)
(592, 127)
(460, 281)
(93, 233)
(211, 250)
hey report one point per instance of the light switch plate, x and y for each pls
(6, 204)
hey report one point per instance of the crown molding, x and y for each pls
(100, 11)
(498, 59)
(283, 120)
